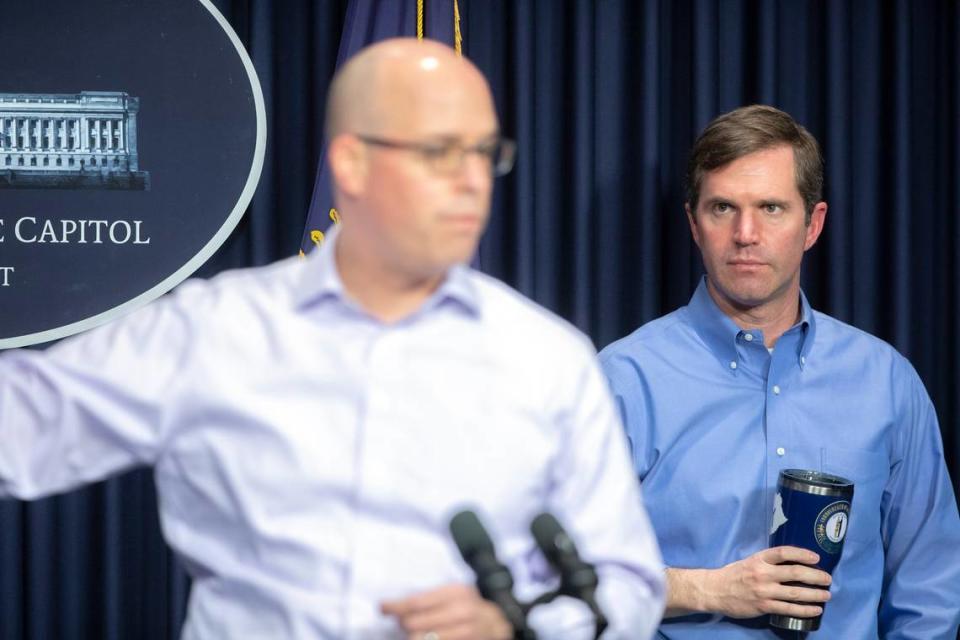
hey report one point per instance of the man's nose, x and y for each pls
(475, 171)
(746, 229)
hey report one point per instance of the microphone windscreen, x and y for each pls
(469, 535)
(550, 536)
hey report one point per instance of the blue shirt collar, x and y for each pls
(719, 333)
(320, 281)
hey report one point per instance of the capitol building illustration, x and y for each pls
(70, 141)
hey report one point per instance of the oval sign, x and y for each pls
(132, 138)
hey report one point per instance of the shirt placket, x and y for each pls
(374, 365)
(783, 367)
(755, 362)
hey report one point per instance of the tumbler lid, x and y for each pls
(816, 482)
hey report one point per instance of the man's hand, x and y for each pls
(453, 612)
(752, 587)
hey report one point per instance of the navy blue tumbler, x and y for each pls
(811, 511)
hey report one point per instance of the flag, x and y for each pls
(368, 21)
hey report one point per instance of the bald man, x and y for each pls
(315, 424)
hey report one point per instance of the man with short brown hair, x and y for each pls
(750, 129)
(719, 396)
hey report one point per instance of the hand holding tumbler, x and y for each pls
(811, 511)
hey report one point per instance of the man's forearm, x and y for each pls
(759, 584)
(686, 592)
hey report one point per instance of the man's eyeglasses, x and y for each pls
(447, 158)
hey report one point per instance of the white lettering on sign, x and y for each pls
(30, 230)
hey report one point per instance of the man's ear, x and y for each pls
(815, 226)
(348, 164)
(692, 220)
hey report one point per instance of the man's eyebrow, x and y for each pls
(450, 138)
(783, 204)
(709, 202)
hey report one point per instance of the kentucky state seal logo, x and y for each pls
(831, 526)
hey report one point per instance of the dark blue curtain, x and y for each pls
(605, 99)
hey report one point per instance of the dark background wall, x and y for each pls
(605, 99)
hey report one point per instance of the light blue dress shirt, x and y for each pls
(308, 458)
(713, 417)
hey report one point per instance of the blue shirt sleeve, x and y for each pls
(630, 397)
(921, 527)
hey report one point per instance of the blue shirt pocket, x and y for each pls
(869, 471)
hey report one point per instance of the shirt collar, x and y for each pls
(319, 278)
(720, 333)
(320, 281)
(809, 327)
(458, 288)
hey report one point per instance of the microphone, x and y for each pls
(494, 580)
(578, 579)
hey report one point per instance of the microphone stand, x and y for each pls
(599, 620)
(578, 579)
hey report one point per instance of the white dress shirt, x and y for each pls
(308, 457)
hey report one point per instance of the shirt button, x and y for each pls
(748, 337)
(781, 451)
(803, 360)
(733, 364)
(776, 390)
